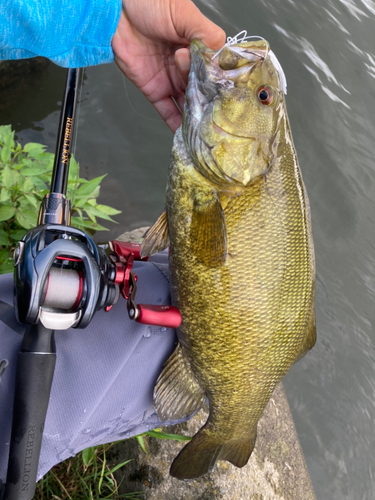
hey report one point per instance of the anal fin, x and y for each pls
(156, 238)
(177, 393)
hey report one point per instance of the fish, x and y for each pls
(241, 255)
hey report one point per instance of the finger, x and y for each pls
(190, 23)
(169, 112)
(183, 61)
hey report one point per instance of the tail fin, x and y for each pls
(200, 455)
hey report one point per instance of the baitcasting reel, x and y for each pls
(62, 277)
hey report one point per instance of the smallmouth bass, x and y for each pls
(241, 253)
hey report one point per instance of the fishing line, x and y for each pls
(79, 95)
(131, 105)
(242, 36)
(75, 134)
(236, 39)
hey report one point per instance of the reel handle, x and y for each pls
(147, 314)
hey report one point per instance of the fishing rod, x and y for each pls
(61, 279)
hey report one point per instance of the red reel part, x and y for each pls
(147, 314)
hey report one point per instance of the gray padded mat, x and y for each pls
(104, 376)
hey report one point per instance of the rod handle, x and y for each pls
(33, 386)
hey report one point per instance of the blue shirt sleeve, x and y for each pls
(71, 33)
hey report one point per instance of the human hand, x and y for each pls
(150, 47)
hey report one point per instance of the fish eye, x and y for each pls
(265, 95)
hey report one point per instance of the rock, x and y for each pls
(275, 471)
(134, 236)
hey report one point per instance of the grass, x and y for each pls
(88, 476)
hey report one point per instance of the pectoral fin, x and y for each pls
(156, 238)
(208, 231)
(177, 393)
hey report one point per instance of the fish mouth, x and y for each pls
(250, 52)
(212, 71)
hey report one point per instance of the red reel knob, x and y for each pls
(168, 316)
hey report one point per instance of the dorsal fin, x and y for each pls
(156, 238)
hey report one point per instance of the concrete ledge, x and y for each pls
(275, 471)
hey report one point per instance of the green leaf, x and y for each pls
(4, 238)
(23, 163)
(27, 172)
(6, 150)
(18, 234)
(117, 467)
(87, 224)
(40, 184)
(102, 472)
(28, 185)
(7, 177)
(34, 147)
(89, 187)
(5, 130)
(27, 218)
(87, 455)
(94, 212)
(33, 200)
(141, 442)
(80, 201)
(79, 212)
(108, 210)
(4, 195)
(73, 170)
(17, 179)
(164, 435)
(6, 212)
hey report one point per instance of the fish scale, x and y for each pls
(241, 262)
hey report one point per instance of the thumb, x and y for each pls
(190, 23)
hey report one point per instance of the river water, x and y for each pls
(327, 50)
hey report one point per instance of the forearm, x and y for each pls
(71, 33)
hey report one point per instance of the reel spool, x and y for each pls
(64, 288)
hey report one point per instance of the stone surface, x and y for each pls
(133, 236)
(275, 471)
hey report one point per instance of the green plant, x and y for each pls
(159, 434)
(87, 476)
(25, 174)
